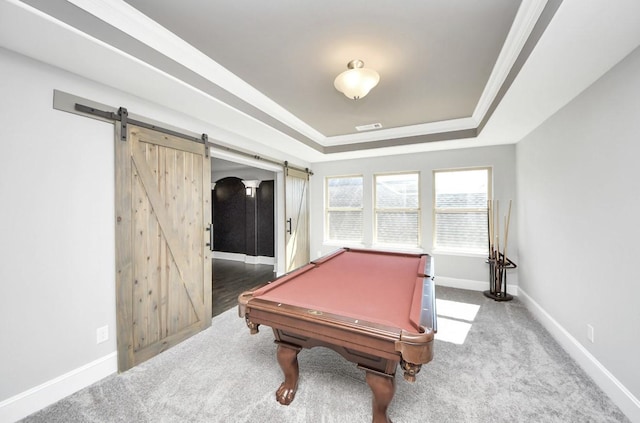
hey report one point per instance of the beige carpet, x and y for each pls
(506, 369)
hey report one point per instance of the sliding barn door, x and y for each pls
(163, 269)
(297, 218)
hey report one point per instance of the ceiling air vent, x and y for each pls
(369, 127)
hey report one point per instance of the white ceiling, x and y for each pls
(454, 73)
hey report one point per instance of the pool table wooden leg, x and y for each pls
(383, 388)
(288, 361)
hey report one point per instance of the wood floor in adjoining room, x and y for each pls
(231, 278)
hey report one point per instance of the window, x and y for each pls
(344, 208)
(460, 210)
(397, 209)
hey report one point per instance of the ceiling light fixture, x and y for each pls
(356, 82)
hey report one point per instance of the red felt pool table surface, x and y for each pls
(382, 288)
(376, 309)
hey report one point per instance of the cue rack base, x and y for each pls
(498, 266)
(498, 296)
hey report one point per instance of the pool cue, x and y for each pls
(496, 225)
(490, 240)
(497, 229)
(507, 221)
(489, 218)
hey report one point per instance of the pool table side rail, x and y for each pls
(429, 267)
(309, 332)
(428, 313)
(248, 305)
(330, 256)
(388, 342)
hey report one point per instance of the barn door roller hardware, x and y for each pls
(122, 112)
(123, 117)
(205, 141)
(74, 104)
(89, 108)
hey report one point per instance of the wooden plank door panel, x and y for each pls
(297, 225)
(164, 270)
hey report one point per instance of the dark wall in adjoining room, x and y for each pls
(229, 210)
(243, 224)
(265, 218)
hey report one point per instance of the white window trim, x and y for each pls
(450, 251)
(328, 209)
(383, 245)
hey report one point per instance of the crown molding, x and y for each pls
(403, 132)
(129, 20)
(523, 24)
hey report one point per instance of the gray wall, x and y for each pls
(57, 224)
(457, 270)
(57, 278)
(578, 208)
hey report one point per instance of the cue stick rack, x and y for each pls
(498, 261)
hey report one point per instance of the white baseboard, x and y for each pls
(260, 260)
(619, 394)
(34, 399)
(244, 258)
(470, 284)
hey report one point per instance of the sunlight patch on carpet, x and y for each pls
(454, 320)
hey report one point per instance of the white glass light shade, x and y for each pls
(356, 82)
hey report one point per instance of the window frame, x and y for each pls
(460, 210)
(417, 210)
(328, 209)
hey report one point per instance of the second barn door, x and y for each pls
(297, 218)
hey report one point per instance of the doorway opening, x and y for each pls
(244, 230)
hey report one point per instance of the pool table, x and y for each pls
(375, 308)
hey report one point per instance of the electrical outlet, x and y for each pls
(102, 334)
(590, 333)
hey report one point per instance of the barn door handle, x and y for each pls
(289, 223)
(210, 243)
